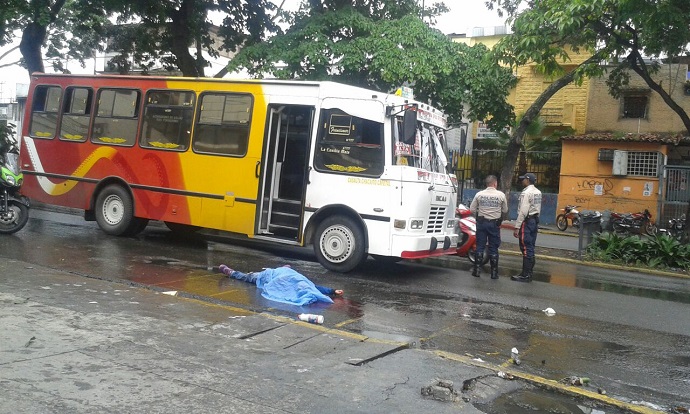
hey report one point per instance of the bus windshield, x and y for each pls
(427, 153)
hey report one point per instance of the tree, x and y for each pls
(546, 36)
(633, 33)
(383, 45)
(164, 30)
(68, 29)
(148, 31)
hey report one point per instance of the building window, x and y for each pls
(635, 106)
(644, 163)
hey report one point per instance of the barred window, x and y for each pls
(644, 163)
(635, 106)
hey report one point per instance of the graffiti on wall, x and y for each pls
(598, 186)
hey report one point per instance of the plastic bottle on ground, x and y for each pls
(311, 318)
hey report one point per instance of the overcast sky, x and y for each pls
(463, 16)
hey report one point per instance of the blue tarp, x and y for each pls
(288, 286)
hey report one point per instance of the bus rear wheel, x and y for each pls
(339, 244)
(115, 211)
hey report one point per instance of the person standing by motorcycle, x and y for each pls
(489, 206)
(527, 224)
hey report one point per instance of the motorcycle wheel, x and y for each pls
(619, 228)
(472, 253)
(15, 219)
(561, 222)
(650, 229)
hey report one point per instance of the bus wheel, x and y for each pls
(138, 225)
(114, 210)
(339, 244)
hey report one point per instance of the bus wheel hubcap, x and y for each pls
(337, 243)
(113, 210)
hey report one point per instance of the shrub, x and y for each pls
(660, 251)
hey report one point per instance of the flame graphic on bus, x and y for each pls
(57, 189)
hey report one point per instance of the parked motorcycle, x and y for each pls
(569, 213)
(634, 223)
(467, 230)
(14, 207)
(676, 228)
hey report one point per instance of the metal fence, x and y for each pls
(472, 167)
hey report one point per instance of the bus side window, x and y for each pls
(223, 124)
(117, 117)
(167, 120)
(76, 114)
(44, 111)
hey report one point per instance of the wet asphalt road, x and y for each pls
(628, 332)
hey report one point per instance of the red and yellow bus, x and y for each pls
(352, 171)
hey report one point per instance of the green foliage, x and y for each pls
(384, 50)
(6, 137)
(659, 251)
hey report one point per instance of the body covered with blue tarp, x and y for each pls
(285, 285)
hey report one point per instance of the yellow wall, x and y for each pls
(605, 110)
(567, 108)
(581, 172)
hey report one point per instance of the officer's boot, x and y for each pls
(526, 274)
(493, 260)
(476, 266)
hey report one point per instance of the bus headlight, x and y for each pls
(452, 223)
(416, 224)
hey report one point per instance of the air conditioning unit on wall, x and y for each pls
(620, 163)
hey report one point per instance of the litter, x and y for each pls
(171, 293)
(311, 318)
(505, 375)
(549, 311)
(514, 355)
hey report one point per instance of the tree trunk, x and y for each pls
(516, 138)
(30, 46)
(638, 66)
(35, 34)
(530, 115)
(182, 39)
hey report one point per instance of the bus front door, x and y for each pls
(284, 171)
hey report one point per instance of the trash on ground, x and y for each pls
(31, 341)
(514, 355)
(575, 381)
(549, 311)
(441, 390)
(311, 318)
(505, 375)
(171, 293)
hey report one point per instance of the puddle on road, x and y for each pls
(530, 401)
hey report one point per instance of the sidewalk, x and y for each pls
(81, 345)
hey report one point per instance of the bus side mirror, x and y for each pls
(409, 132)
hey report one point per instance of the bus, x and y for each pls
(351, 171)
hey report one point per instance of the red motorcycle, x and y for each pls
(467, 232)
(634, 223)
(569, 213)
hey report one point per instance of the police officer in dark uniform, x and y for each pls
(527, 224)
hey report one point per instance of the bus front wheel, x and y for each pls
(339, 244)
(114, 210)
